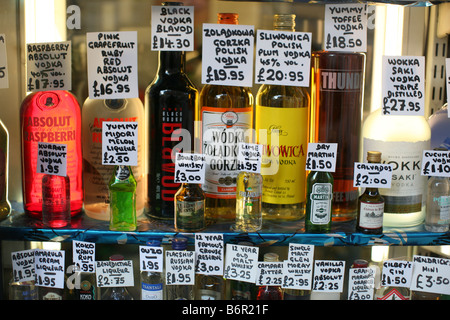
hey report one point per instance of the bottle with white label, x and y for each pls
(401, 139)
(319, 202)
(152, 283)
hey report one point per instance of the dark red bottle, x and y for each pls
(50, 117)
(270, 292)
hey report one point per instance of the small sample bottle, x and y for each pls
(152, 283)
(371, 205)
(270, 292)
(116, 293)
(55, 201)
(189, 208)
(319, 198)
(248, 202)
(25, 290)
(122, 195)
(209, 287)
(5, 206)
(177, 291)
(241, 290)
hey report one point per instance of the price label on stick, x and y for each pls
(321, 157)
(112, 65)
(241, 262)
(84, 255)
(173, 28)
(328, 276)
(431, 274)
(3, 63)
(114, 273)
(372, 175)
(49, 268)
(396, 273)
(151, 258)
(180, 267)
(403, 85)
(249, 157)
(52, 159)
(189, 168)
(49, 66)
(436, 163)
(346, 27)
(23, 265)
(209, 250)
(269, 273)
(283, 58)
(298, 268)
(120, 143)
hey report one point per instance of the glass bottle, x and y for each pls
(248, 202)
(370, 205)
(209, 287)
(88, 289)
(50, 117)
(284, 108)
(116, 293)
(222, 110)
(179, 292)
(55, 201)
(5, 206)
(24, 290)
(152, 283)
(401, 140)
(319, 186)
(241, 290)
(295, 294)
(190, 208)
(170, 100)
(392, 292)
(337, 92)
(270, 292)
(95, 175)
(439, 123)
(122, 195)
(437, 217)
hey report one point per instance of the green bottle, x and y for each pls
(122, 197)
(319, 186)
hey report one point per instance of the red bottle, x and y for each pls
(270, 292)
(50, 117)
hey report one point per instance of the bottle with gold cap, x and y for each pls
(371, 205)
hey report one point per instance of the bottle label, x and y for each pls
(444, 209)
(222, 130)
(187, 209)
(408, 186)
(371, 215)
(152, 291)
(287, 185)
(321, 196)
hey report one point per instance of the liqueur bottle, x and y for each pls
(270, 292)
(190, 208)
(122, 195)
(116, 293)
(55, 201)
(370, 205)
(248, 202)
(283, 108)
(401, 140)
(95, 175)
(5, 206)
(337, 91)
(170, 100)
(178, 291)
(319, 186)
(224, 111)
(152, 283)
(50, 117)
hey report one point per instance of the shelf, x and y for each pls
(20, 227)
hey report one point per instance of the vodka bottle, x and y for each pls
(179, 291)
(152, 283)
(248, 202)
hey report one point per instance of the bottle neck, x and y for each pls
(171, 62)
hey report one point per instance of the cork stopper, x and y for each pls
(270, 257)
(374, 156)
(227, 18)
(284, 22)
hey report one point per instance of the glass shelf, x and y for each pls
(20, 227)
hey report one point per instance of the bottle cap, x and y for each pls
(153, 243)
(179, 243)
(284, 21)
(168, 3)
(373, 156)
(116, 257)
(227, 18)
(360, 263)
(270, 257)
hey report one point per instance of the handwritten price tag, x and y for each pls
(151, 258)
(396, 273)
(241, 263)
(189, 168)
(372, 175)
(49, 268)
(249, 157)
(114, 273)
(180, 267)
(431, 274)
(52, 159)
(436, 163)
(209, 250)
(269, 273)
(298, 268)
(3, 63)
(328, 276)
(321, 157)
(23, 265)
(361, 282)
(119, 143)
(84, 256)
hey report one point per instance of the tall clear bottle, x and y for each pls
(95, 175)
(401, 140)
(171, 100)
(5, 206)
(284, 108)
(50, 117)
(248, 202)
(222, 110)
(152, 283)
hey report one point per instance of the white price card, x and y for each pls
(436, 163)
(298, 268)
(49, 66)
(151, 258)
(249, 157)
(49, 268)
(52, 159)
(172, 28)
(403, 85)
(396, 273)
(431, 274)
(3, 63)
(83, 255)
(346, 27)
(190, 168)
(23, 265)
(269, 273)
(283, 58)
(112, 65)
(241, 262)
(114, 273)
(361, 283)
(321, 157)
(119, 143)
(328, 276)
(180, 267)
(227, 54)
(372, 175)
(209, 252)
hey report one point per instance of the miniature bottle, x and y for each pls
(25, 290)
(122, 195)
(370, 205)
(209, 287)
(319, 186)
(50, 117)
(439, 122)
(5, 206)
(270, 292)
(241, 290)
(95, 175)
(179, 292)
(55, 201)
(152, 283)
(248, 202)
(189, 208)
(116, 293)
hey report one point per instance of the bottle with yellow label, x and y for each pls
(281, 124)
